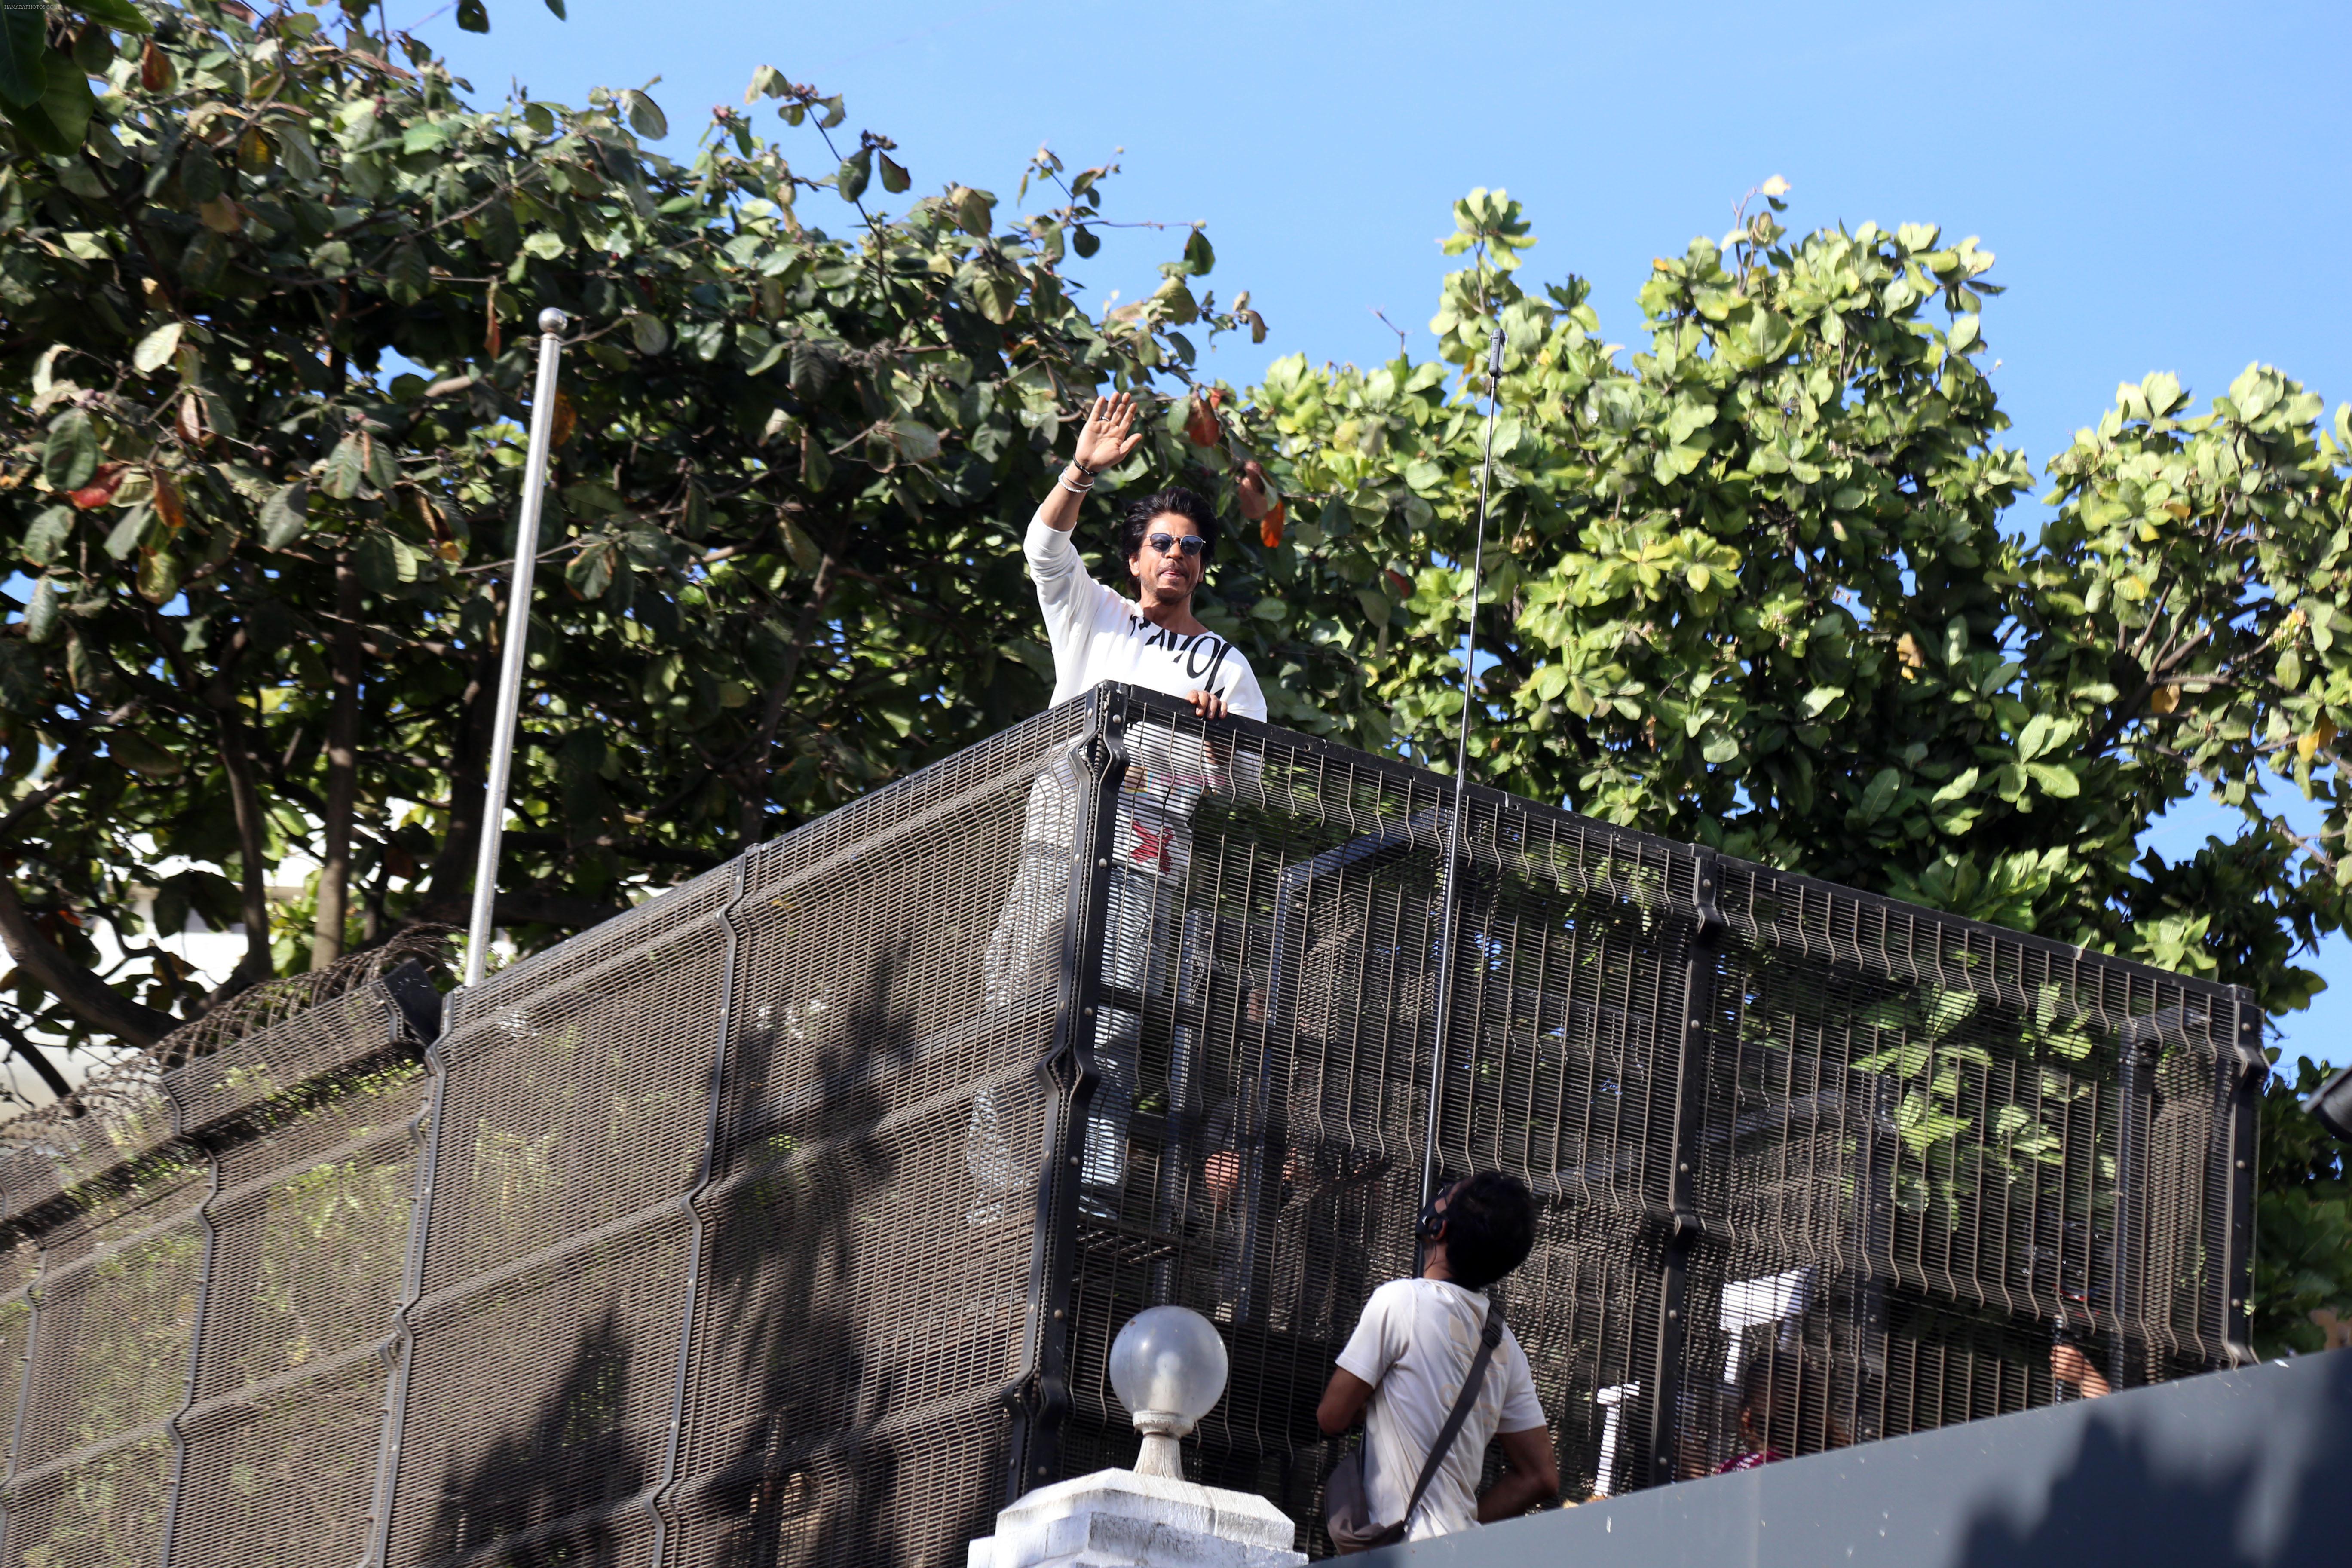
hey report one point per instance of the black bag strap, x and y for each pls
(1488, 1337)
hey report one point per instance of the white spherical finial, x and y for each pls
(552, 319)
(1168, 1367)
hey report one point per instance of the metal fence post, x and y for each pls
(689, 1203)
(1032, 1452)
(2245, 1102)
(1682, 1218)
(24, 1388)
(1449, 926)
(177, 1490)
(400, 1349)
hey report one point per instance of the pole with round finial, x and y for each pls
(1168, 1367)
(551, 323)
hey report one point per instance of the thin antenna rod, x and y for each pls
(1461, 782)
(551, 323)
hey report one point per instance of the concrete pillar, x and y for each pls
(1118, 1519)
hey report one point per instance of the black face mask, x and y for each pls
(1432, 1224)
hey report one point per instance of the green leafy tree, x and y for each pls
(1753, 589)
(268, 328)
(268, 325)
(2303, 1224)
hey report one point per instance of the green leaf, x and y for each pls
(2055, 778)
(2036, 739)
(895, 179)
(70, 456)
(975, 211)
(50, 529)
(473, 17)
(24, 51)
(125, 536)
(406, 276)
(382, 562)
(200, 174)
(591, 570)
(1198, 257)
(645, 117)
(649, 335)
(1819, 699)
(346, 468)
(1084, 241)
(41, 614)
(545, 243)
(159, 574)
(855, 172)
(120, 14)
(57, 125)
(140, 755)
(156, 349)
(557, 6)
(995, 286)
(1881, 793)
(294, 151)
(915, 442)
(1958, 788)
(811, 369)
(285, 516)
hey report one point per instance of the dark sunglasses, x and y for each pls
(1166, 543)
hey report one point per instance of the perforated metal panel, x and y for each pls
(205, 1263)
(789, 1218)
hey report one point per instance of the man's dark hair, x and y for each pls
(1136, 522)
(1490, 1228)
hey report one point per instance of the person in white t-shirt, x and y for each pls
(1155, 641)
(1404, 1367)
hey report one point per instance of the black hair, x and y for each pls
(1136, 522)
(1490, 1227)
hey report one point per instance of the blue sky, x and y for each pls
(2163, 182)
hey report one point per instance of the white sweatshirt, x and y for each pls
(1098, 636)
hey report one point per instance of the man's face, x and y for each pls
(1167, 576)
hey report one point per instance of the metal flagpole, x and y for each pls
(551, 323)
(1461, 787)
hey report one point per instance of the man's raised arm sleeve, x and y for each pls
(1065, 592)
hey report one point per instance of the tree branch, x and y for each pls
(38, 1059)
(80, 992)
(252, 835)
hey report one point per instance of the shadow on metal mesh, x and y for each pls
(788, 1218)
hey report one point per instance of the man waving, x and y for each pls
(1166, 538)
(1154, 641)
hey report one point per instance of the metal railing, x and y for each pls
(788, 1218)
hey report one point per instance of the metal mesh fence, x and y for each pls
(788, 1219)
(202, 1264)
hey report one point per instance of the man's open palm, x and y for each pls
(1108, 435)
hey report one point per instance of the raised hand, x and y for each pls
(1255, 495)
(1108, 435)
